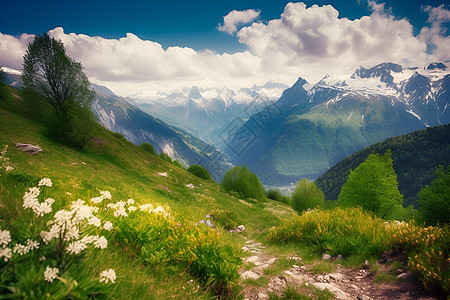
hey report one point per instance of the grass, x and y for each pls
(323, 267)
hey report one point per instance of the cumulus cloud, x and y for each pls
(305, 41)
(235, 18)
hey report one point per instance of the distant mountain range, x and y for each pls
(205, 113)
(415, 157)
(312, 127)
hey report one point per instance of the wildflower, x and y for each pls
(72, 233)
(89, 239)
(42, 258)
(45, 182)
(6, 253)
(97, 200)
(146, 207)
(5, 237)
(31, 245)
(95, 221)
(101, 243)
(76, 247)
(108, 275)
(208, 222)
(132, 208)
(106, 194)
(108, 226)
(20, 249)
(50, 274)
(130, 202)
(208, 216)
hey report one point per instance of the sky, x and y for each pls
(142, 47)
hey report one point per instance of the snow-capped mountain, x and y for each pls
(313, 126)
(205, 111)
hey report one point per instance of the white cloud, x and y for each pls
(305, 41)
(235, 18)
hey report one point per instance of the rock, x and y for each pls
(338, 257)
(164, 174)
(295, 258)
(289, 273)
(250, 275)
(353, 286)
(272, 260)
(326, 256)
(333, 288)
(363, 297)
(303, 268)
(241, 228)
(262, 296)
(319, 278)
(336, 276)
(326, 278)
(28, 148)
(190, 185)
(404, 275)
(252, 259)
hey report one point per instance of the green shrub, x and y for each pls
(307, 195)
(434, 199)
(199, 171)
(225, 218)
(165, 157)
(244, 182)
(148, 147)
(277, 196)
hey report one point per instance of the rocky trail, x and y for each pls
(344, 283)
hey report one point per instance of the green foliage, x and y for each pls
(165, 157)
(427, 148)
(244, 182)
(199, 171)
(178, 164)
(306, 196)
(373, 186)
(61, 82)
(277, 196)
(148, 147)
(225, 218)
(339, 231)
(434, 199)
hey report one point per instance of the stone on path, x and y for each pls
(250, 275)
(164, 174)
(333, 288)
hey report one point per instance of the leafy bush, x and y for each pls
(165, 157)
(307, 195)
(225, 218)
(428, 250)
(244, 182)
(277, 196)
(434, 199)
(148, 147)
(199, 171)
(373, 185)
(338, 231)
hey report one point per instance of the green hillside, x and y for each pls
(111, 163)
(415, 157)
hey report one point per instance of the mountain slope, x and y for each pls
(312, 127)
(415, 157)
(118, 115)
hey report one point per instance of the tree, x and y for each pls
(51, 73)
(306, 195)
(373, 185)
(199, 171)
(434, 199)
(244, 182)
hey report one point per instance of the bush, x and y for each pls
(225, 218)
(199, 171)
(244, 182)
(277, 196)
(165, 157)
(434, 199)
(307, 195)
(148, 147)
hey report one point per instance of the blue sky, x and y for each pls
(172, 38)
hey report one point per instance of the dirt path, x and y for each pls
(344, 283)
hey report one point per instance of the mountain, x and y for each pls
(313, 126)
(427, 148)
(117, 115)
(205, 113)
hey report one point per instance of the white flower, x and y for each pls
(32, 245)
(45, 182)
(132, 208)
(42, 208)
(5, 237)
(6, 253)
(97, 200)
(101, 243)
(42, 258)
(76, 247)
(108, 226)
(120, 213)
(8, 168)
(72, 233)
(20, 249)
(146, 207)
(105, 194)
(95, 222)
(108, 275)
(130, 201)
(89, 239)
(50, 274)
